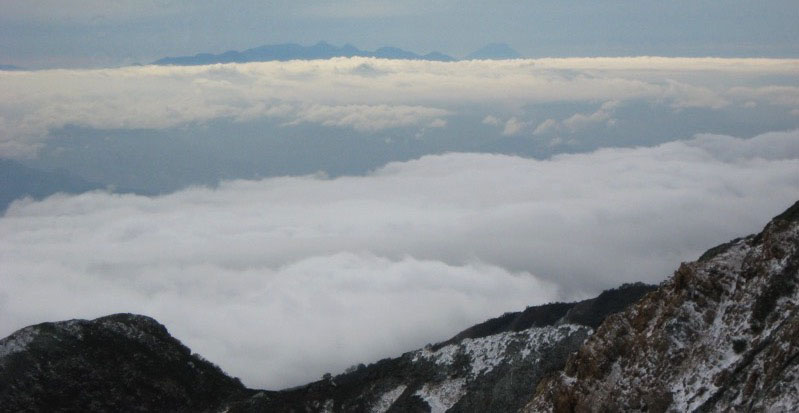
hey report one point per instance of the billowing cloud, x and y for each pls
(371, 118)
(580, 120)
(282, 279)
(513, 126)
(338, 93)
(491, 120)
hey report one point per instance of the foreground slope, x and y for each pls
(122, 362)
(129, 362)
(721, 335)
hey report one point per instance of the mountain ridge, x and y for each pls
(294, 51)
(725, 330)
(324, 50)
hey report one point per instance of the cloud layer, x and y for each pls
(372, 94)
(282, 279)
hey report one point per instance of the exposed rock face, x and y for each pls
(121, 362)
(721, 335)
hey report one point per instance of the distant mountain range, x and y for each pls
(324, 50)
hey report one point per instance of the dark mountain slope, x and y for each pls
(589, 313)
(121, 362)
(721, 335)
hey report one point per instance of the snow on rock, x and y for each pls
(18, 341)
(387, 399)
(486, 353)
(441, 396)
(721, 335)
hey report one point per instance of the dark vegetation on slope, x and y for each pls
(121, 362)
(589, 313)
(594, 311)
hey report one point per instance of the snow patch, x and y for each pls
(442, 396)
(388, 398)
(486, 353)
(18, 341)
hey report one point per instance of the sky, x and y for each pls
(102, 33)
(287, 219)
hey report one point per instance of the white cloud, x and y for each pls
(513, 126)
(775, 95)
(334, 92)
(602, 115)
(546, 126)
(282, 279)
(370, 118)
(580, 121)
(491, 120)
(437, 123)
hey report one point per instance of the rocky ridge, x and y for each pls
(721, 335)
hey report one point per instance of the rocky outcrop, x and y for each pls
(721, 335)
(122, 362)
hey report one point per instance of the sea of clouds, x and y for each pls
(282, 279)
(367, 94)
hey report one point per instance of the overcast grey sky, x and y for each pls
(92, 33)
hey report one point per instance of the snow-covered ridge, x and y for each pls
(721, 335)
(486, 353)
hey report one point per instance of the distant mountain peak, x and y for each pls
(494, 51)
